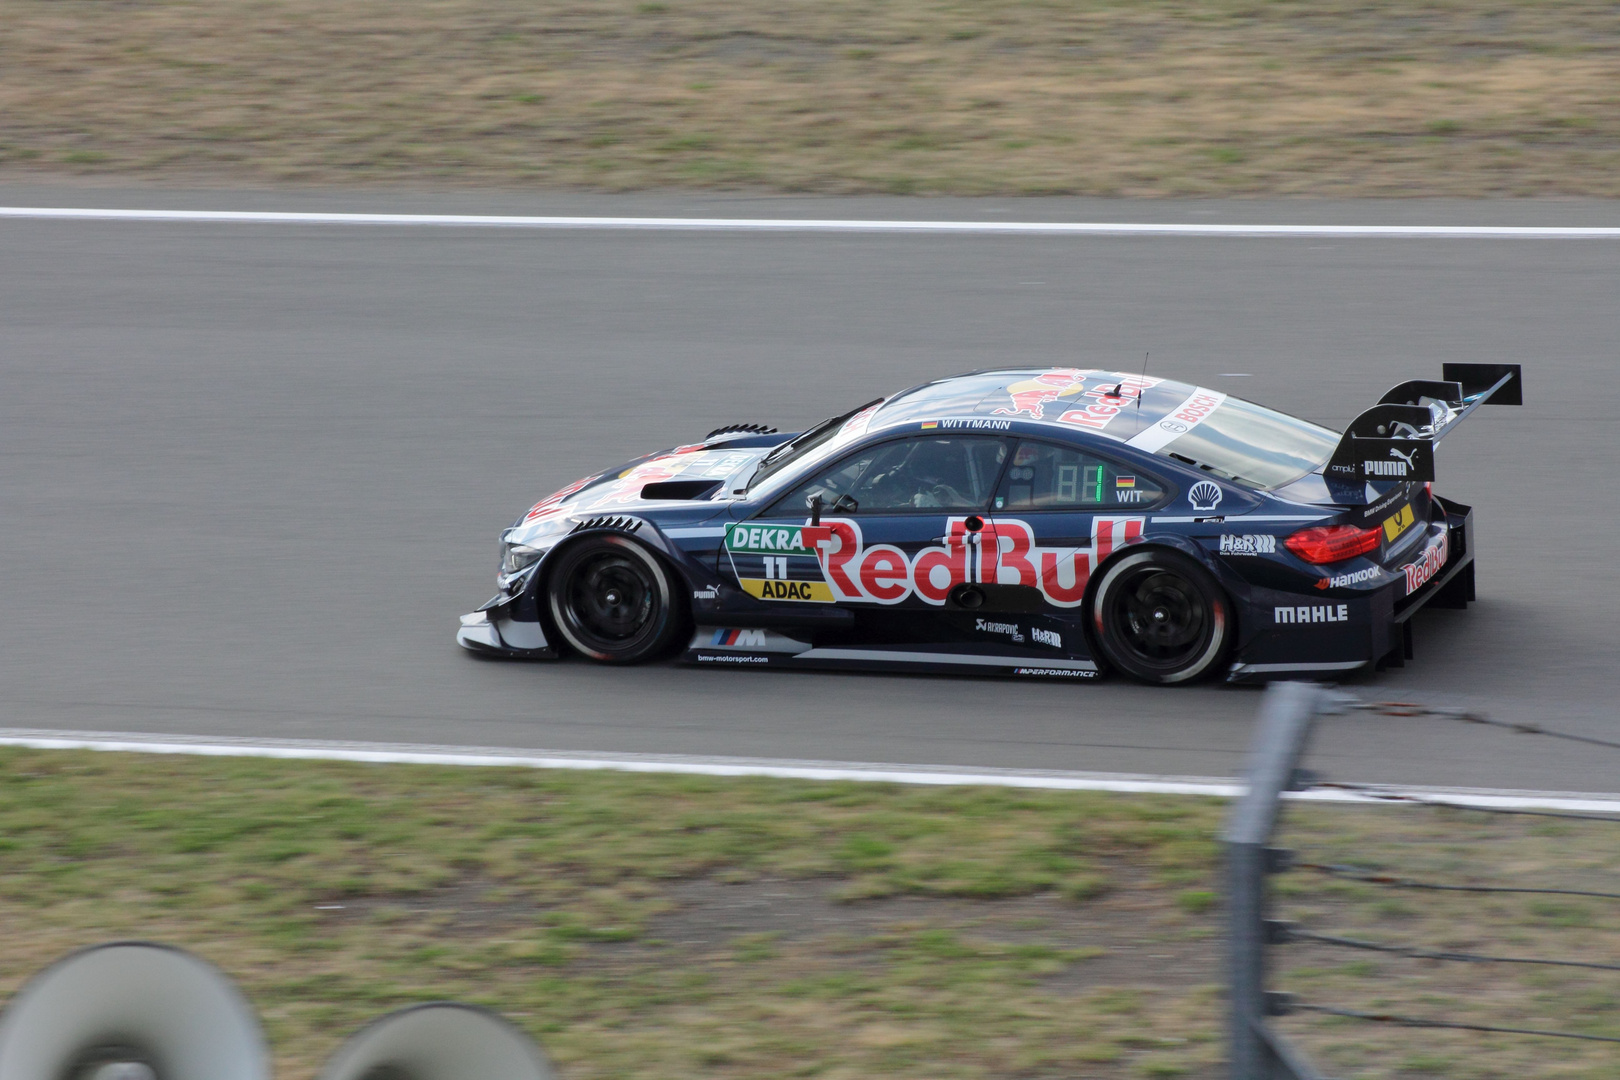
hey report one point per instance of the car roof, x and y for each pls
(1066, 400)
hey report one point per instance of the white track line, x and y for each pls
(1052, 780)
(813, 225)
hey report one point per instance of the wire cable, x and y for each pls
(1355, 873)
(1412, 708)
(1421, 1022)
(1373, 792)
(1295, 934)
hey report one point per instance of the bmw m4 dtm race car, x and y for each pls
(1051, 523)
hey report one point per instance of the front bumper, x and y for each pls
(492, 631)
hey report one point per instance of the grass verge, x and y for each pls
(663, 926)
(1102, 97)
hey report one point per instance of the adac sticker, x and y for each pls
(807, 592)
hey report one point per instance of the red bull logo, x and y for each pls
(1104, 404)
(1003, 552)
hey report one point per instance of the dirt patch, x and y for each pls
(1212, 97)
(1113, 941)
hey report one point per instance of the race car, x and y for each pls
(1056, 523)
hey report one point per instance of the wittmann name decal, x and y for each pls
(1002, 553)
(1431, 563)
(1310, 613)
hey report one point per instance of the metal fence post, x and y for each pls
(1287, 714)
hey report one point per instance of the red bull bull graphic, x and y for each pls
(1003, 552)
(1031, 396)
(551, 503)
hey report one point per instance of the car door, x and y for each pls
(880, 545)
(1058, 512)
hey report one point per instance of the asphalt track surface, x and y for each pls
(251, 474)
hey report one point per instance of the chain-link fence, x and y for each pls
(1289, 714)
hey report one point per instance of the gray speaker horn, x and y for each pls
(131, 1011)
(440, 1041)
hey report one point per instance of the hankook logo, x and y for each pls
(1346, 580)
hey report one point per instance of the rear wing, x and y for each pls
(1394, 440)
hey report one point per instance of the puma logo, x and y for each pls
(1406, 457)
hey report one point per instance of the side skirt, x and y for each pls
(718, 646)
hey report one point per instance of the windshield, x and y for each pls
(796, 448)
(1253, 445)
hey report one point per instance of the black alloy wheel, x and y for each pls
(1161, 618)
(612, 600)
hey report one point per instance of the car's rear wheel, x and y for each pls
(1161, 618)
(613, 600)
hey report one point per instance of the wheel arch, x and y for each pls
(1180, 545)
(646, 535)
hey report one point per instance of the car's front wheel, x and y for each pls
(612, 600)
(1161, 618)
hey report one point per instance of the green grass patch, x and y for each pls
(672, 927)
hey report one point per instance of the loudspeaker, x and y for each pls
(131, 1011)
(440, 1041)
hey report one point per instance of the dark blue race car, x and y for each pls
(1051, 523)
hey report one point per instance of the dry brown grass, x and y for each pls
(1150, 98)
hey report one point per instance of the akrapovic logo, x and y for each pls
(1310, 613)
(1010, 629)
(1248, 545)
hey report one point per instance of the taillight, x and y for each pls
(1332, 543)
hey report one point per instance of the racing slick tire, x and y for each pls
(1160, 618)
(614, 601)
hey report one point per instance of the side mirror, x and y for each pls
(814, 503)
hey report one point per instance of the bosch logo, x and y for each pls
(1175, 426)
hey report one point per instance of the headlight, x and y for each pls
(515, 557)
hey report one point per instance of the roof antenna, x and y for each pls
(1142, 387)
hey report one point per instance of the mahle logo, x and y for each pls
(766, 539)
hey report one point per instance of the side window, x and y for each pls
(1047, 477)
(949, 473)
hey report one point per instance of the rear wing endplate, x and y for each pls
(1394, 440)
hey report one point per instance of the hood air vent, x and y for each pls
(681, 489)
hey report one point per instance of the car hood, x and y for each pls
(622, 490)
